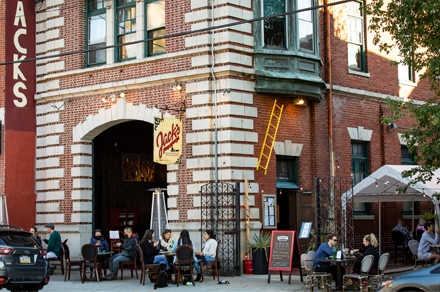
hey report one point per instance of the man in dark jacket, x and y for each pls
(53, 244)
(128, 253)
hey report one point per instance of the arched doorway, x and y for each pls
(123, 171)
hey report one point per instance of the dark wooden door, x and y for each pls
(306, 213)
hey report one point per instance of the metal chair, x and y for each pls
(383, 262)
(413, 246)
(213, 265)
(71, 264)
(323, 280)
(357, 280)
(399, 245)
(185, 259)
(90, 256)
(152, 268)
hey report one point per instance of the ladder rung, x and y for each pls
(269, 136)
(265, 155)
(265, 145)
(274, 115)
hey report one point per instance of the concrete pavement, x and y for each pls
(237, 284)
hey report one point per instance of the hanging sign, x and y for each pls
(167, 140)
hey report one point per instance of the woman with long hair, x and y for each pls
(371, 244)
(35, 234)
(166, 239)
(421, 226)
(150, 250)
(207, 255)
(185, 240)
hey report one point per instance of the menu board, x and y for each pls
(281, 250)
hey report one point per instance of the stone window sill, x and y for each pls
(407, 82)
(364, 74)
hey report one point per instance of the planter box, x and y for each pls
(260, 263)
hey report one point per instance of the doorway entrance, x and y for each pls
(123, 171)
(286, 202)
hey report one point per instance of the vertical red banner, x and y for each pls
(20, 117)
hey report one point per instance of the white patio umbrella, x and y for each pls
(381, 186)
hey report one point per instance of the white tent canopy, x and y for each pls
(381, 186)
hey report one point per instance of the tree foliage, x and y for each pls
(414, 28)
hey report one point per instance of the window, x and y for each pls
(406, 72)
(126, 29)
(356, 43)
(155, 26)
(96, 32)
(274, 33)
(359, 168)
(408, 159)
(305, 26)
(287, 172)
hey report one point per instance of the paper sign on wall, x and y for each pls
(167, 140)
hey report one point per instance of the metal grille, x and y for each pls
(334, 209)
(223, 222)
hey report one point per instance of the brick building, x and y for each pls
(92, 110)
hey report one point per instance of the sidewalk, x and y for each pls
(237, 284)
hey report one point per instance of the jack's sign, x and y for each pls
(167, 140)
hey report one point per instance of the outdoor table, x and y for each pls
(338, 263)
(435, 248)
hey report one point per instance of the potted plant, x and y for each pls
(428, 216)
(260, 252)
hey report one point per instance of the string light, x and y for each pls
(376, 184)
(397, 187)
(281, 191)
(262, 188)
(250, 187)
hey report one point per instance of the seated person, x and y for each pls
(207, 255)
(399, 227)
(370, 243)
(185, 240)
(166, 240)
(35, 234)
(324, 251)
(99, 241)
(421, 225)
(53, 244)
(426, 241)
(150, 250)
(128, 252)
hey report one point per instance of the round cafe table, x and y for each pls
(338, 263)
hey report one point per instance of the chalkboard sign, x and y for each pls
(284, 253)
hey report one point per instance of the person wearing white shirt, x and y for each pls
(166, 239)
(426, 241)
(210, 249)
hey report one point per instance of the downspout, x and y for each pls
(328, 64)
(215, 120)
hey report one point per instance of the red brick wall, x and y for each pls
(2, 94)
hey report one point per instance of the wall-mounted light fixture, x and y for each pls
(58, 108)
(113, 96)
(299, 101)
(178, 87)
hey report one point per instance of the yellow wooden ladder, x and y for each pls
(271, 132)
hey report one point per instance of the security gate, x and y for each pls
(334, 209)
(220, 207)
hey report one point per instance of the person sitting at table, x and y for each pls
(149, 248)
(324, 251)
(402, 229)
(35, 234)
(100, 241)
(421, 225)
(166, 239)
(128, 252)
(185, 240)
(371, 244)
(426, 241)
(207, 255)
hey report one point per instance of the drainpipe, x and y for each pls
(328, 63)
(215, 121)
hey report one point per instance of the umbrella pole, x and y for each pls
(380, 236)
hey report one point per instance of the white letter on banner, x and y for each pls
(17, 34)
(18, 94)
(17, 70)
(19, 15)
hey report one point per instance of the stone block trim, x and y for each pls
(288, 148)
(360, 134)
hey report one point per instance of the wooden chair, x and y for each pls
(90, 256)
(185, 258)
(113, 243)
(366, 264)
(413, 247)
(383, 262)
(130, 265)
(399, 245)
(213, 265)
(152, 268)
(323, 280)
(71, 264)
(59, 259)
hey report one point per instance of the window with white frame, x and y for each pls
(305, 26)
(405, 72)
(356, 39)
(155, 26)
(96, 32)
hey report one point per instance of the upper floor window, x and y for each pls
(274, 28)
(96, 31)
(287, 172)
(406, 72)
(305, 26)
(126, 29)
(356, 39)
(155, 26)
(406, 156)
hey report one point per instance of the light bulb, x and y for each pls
(103, 99)
(301, 101)
(178, 87)
(122, 94)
